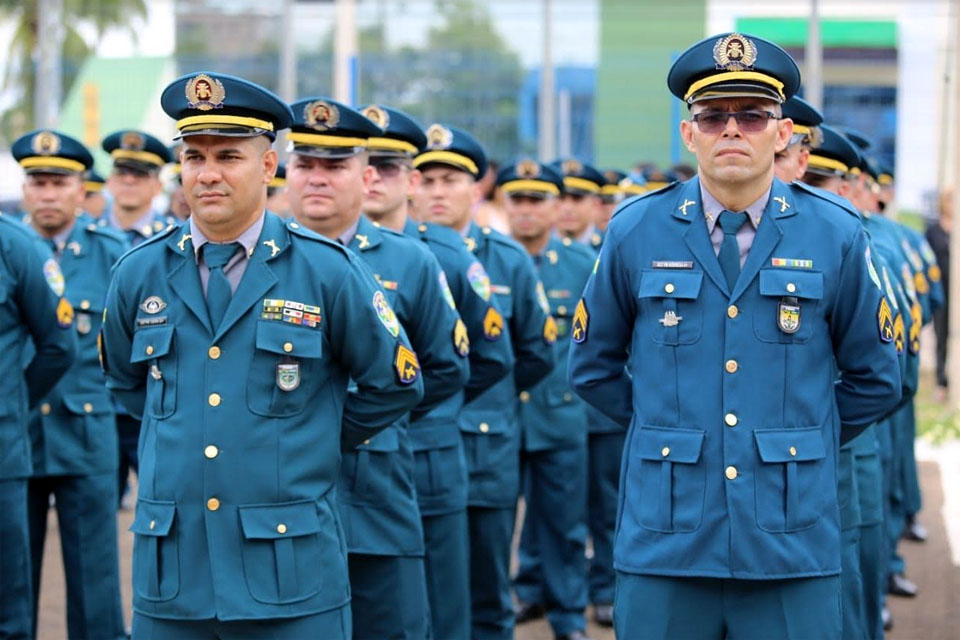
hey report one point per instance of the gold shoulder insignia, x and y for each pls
(581, 320)
(492, 324)
(550, 330)
(406, 364)
(885, 321)
(461, 341)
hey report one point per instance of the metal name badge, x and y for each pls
(84, 324)
(288, 376)
(670, 319)
(788, 315)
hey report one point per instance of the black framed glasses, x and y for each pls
(750, 121)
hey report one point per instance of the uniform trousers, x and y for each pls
(652, 607)
(15, 591)
(388, 598)
(491, 605)
(87, 520)
(552, 571)
(447, 564)
(329, 625)
(851, 586)
(604, 450)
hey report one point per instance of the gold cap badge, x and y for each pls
(132, 141)
(735, 53)
(439, 137)
(528, 169)
(572, 166)
(205, 93)
(46, 143)
(321, 115)
(377, 115)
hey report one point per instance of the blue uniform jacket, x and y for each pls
(156, 223)
(377, 497)
(551, 415)
(735, 410)
(243, 424)
(489, 423)
(34, 318)
(73, 431)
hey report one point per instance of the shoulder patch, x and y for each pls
(885, 321)
(832, 198)
(407, 365)
(54, 277)
(581, 320)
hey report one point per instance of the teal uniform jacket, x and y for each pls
(489, 423)
(34, 317)
(551, 415)
(73, 430)
(243, 424)
(377, 497)
(156, 222)
(443, 481)
(598, 421)
(735, 411)
(926, 274)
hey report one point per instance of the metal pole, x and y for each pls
(345, 51)
(953, 343)
(813, 80)
(49, 63)
(548, 128)
(288, 53)
(565, 120)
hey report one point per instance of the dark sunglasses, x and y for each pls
(750, 121)
(389, 168)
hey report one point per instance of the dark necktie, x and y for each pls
(729, 255)
(216, 256)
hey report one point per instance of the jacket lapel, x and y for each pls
(769, 233)
(689, 209)
(184, 276)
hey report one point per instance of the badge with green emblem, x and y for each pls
(386, 314)
(788, 315)
(288, 376)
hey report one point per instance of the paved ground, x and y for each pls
(934, 615)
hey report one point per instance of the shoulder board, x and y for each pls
(393, 234)
(106, 232)
(440, 234)
(149, 242)
(644, 196)
(583, 250)
(501, 238)
(298, 229)
(832, 198)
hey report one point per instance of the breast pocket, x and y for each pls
(669, 478)
(286, 371)
(670, 312)
(789, 305)
(792, 478)
(154, 346)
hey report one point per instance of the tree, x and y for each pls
(20, 76)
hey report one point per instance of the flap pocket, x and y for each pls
(671, 445)
(153, 517)
(86, 302)
(485, 422)
(386, 440)
(791, 282)
(273, 521)
(790, 445)
(288, 340)
(84, 403)
(666, 283)
(151, 342)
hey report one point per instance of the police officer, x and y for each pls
(451, 163)
(791, 163)
(329, 174)
(553, 422)
(581, 205)
(441, 468)
(32, 308)
(94, 201)
(235, 335)
(72, 432)
(134, 182)
(717, 293)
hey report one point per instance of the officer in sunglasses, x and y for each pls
(735, 323)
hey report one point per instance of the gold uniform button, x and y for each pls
(213, 504)
(731, 473)
(422, 228)
(281, 528)
(791, 287)
(294, 225)
(730, 419)
(213, 352)
(567, 397)
(731, 366)
(665, 452)
(484, 427)
(287, 347)
(87, 407)
(367, 441)
(153, 525)
(524, 396)
(562, 310)
(214, 400)
(149, 349)
(211, 451)
(793, 451)
(84, 304)
(669, 288)
(732, 311)
(45, 409)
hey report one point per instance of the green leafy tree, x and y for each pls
(20, 74)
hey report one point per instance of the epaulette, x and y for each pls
(503, 239)
(440, 234)
(582, 249)
(106, 232)
(643, 196)
(829, 196)
(152, 240)
(22, 228)
(298, 229)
